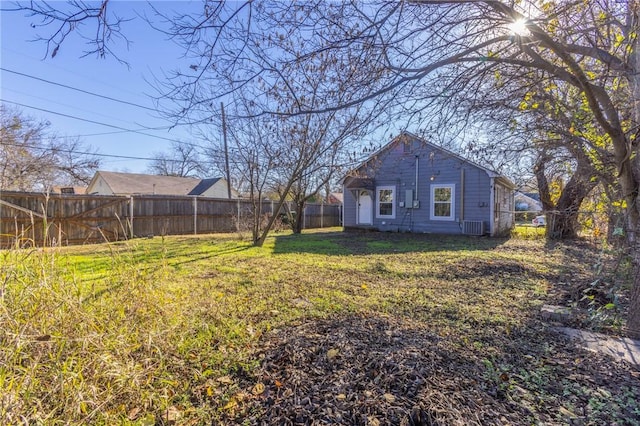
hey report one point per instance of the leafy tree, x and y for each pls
(548, 126)
(33, 158)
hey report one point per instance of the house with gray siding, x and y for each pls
(411, 185)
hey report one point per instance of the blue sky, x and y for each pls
(149, 54)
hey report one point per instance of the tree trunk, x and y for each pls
(299, 219)
(543, 183)
(630, 183)
(562, 222)
(633, 316)
(272, 219)
(562, 217)
(629, 176)
(256, 220)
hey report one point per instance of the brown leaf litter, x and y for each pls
(373, 370)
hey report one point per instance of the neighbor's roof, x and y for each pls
(521, 197)
(137, 183)
(68, 189)
(339, 196)
(203, 185)
(502, 179)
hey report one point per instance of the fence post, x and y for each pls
(262, 206)
(131, 233)
(322, 214)
(59, 220)
(195, 215)
(238, 220)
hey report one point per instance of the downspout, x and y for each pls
(461, 196)
(492, 197)
(344, 193)
(415, 194)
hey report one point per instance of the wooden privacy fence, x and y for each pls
(57, 219)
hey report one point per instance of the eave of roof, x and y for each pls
(492, 174)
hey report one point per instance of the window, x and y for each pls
(443, 202)
(386, 202)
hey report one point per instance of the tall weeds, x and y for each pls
(77, 353)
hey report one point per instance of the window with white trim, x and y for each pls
(443, 203)
(385, 202)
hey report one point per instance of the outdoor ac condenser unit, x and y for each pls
(473, 227)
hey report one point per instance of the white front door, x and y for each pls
(365, 205)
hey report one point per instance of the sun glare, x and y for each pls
(519, 27)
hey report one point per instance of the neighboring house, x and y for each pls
(411, 185)
(525, 203)
(68, 190)
(335, 198)
(116, 183)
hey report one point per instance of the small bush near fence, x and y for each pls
(35, 219)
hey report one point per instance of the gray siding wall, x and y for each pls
(349, 205)
(396, 167)
(503, 212)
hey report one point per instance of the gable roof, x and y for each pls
(337, 196)
(203, 185)
(68, 189)
(404, 135)
(521, 197)
(138, 183)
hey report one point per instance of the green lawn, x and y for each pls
(173, 330)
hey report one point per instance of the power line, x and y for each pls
(67, 70)
(73, 151)
(67, 106)
(87, 120)
(96, 134)
(96, 154)
(78, 90)
(117, 132)
(103, 124)
(98, 95)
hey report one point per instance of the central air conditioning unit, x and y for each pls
(473, 227)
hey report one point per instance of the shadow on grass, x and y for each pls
(357, 243)
(209, 255)
(98, 294)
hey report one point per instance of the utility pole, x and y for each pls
(226, 151)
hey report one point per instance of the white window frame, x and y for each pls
(432, 203)
(393, 202)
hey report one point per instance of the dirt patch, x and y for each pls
(363, 370)
(482, 268)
